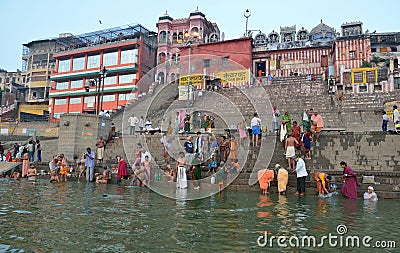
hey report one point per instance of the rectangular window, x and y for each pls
(207, 63)
(110, 59)
(129, 56)
(61, 101)
(78, 63)
(126, 96)
(62, 85)
(110, 80)
(108, 98)
(89, 99)
(225, 61)
(64, 65)
(127, 78)
(76, 84)
(74, 101)
(93, 61)
(352, 54)
(57, 115)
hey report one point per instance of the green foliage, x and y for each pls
(366, 64)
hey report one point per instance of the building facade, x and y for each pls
(171, 36)
(293, 52)
(101, 69)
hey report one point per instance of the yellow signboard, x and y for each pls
(233, 76)
(195, 80)
(389, 108)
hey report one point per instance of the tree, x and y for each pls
(366, 64)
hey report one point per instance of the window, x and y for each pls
(127, 78)
(61, 101)
(108, 98)
(93, 61)
(57, 115)
(126, 96)
(7, 80)
(110, 59)
(74, 101)
(363, 88)
(225, 61)
(62, 86)
(64, 65)
(207, 63)
(78, 63)
(129, 56)
(76, 84)
(352, 54)
(110, 80)
(89, 99)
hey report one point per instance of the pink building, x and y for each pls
(171, 36)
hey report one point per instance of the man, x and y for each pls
(107, 114)
(16, 149)
(301, 172)
(256, 129)
(148, 124)
(290, 151)
(198, 145)
(102, 113)
(189, 150)
(133, 120)
(1, 152)
(385, 120)
(370, 194)
(396, 117)
(30, 149)
(317, 123)
(282, 178)
(89, 162)
(122, 169)
(275, 116)
(141, 124)
(100, 149)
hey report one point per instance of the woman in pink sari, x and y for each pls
(349, 188)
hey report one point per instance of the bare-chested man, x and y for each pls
(102, 179)
(290, 144)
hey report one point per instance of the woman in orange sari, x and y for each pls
(25, 162)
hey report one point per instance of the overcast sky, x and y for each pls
(24, 21)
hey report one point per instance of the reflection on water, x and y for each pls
(80, 217)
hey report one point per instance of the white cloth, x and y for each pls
(181, 180)
(143, 156)
(148, 125)
(164, 142)
(255, 121)
(141, 122)
(198, 144)
(283, 132)
(301, 170)
(385, 117)
(396, 116)
(305, 116)
(133, 121)
(367, 196)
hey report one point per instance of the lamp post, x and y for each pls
(247, 14)
(102, 73)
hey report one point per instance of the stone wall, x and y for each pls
(79, 131)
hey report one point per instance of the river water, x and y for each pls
(80, 217)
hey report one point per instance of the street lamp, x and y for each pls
(247, 14)
(97, 82)
(102, 73)
(189, 39)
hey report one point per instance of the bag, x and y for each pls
(213, 180)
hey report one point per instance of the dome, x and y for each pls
(322, 31)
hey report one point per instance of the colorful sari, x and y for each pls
(264, 178)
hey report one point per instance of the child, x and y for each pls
(385, 120)
(235, 165)
(147, 167)
(220, 175)
(212, 166)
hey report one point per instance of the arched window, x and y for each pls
(162, 37)
(173, 78)
(180, 37)
(174, 37)
(161, 78)
(162, 57)
(194, 31)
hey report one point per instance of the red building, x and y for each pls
(123, 54)
(229, 60)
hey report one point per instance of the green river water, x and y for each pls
(81, 217)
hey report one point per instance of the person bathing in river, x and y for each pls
(102, 179)
(32, 172)
(322, 182)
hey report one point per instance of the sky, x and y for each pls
(24, 21)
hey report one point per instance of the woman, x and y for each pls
(177, 123)
(306, 144)
(122, 169)
(322, 182)
(264, 178)
(349, 188)
(196, 172)
(181, 167)
(32, 172)
(287, 120)
(295, 131)
(186, 126)
(25, 162)
(242, 132)
(306, 121)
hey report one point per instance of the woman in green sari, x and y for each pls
(306, 121)
(286, 118)
(196, 172)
